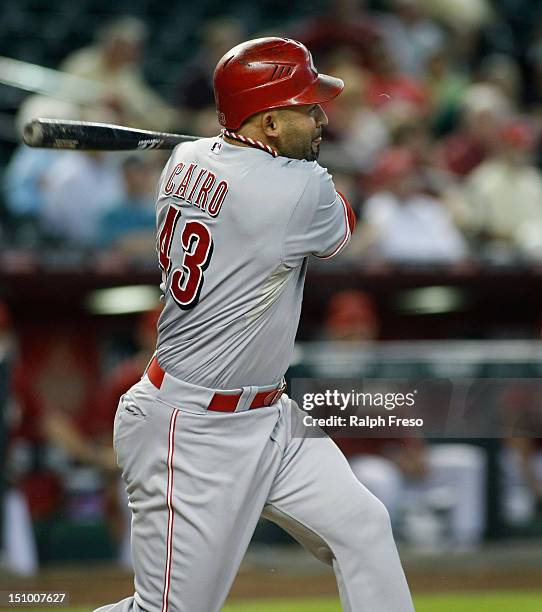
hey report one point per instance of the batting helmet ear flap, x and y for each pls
(268, 73)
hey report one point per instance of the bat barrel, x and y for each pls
(58, 134)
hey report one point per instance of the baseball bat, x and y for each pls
(89, 136)
(49, 82)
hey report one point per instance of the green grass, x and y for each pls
(452, 602)
(464, 602)
(481, 602)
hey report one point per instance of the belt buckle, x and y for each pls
(275, 395)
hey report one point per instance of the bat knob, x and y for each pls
(33, 134)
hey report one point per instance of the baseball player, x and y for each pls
(208, 441)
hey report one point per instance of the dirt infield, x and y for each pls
(88, 584)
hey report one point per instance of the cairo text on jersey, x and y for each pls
(197, 186)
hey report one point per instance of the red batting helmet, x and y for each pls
(268, 73)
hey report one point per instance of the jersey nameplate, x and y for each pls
(197, 186)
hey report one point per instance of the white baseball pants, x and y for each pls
(198, 481)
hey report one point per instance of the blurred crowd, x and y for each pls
(435, 139)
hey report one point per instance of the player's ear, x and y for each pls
(270, 123)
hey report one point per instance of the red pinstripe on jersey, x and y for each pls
(170, 514)
(350, 224)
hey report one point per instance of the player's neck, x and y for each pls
(251, 139)
(237, 143)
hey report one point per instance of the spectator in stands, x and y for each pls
(51, 443)
(446, 86)
(125, 374)
(410, 36)
(128, 226)
(79, 190)
(505, 194)
(395, 94)
(345, 25)
(17, 543)
(194, 92)
(502, 72)
(114, 61)
(410, 476)
(26, 174)
(521, 458)
(118, 381)
(522, 485)
(359, 133)
(483, 111)
(351, 316)
(415, 137)
(430, 169)
(403, 224)
(463, 17)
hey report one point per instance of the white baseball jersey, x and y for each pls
(235, 227)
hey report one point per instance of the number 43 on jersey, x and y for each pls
(197, 246)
